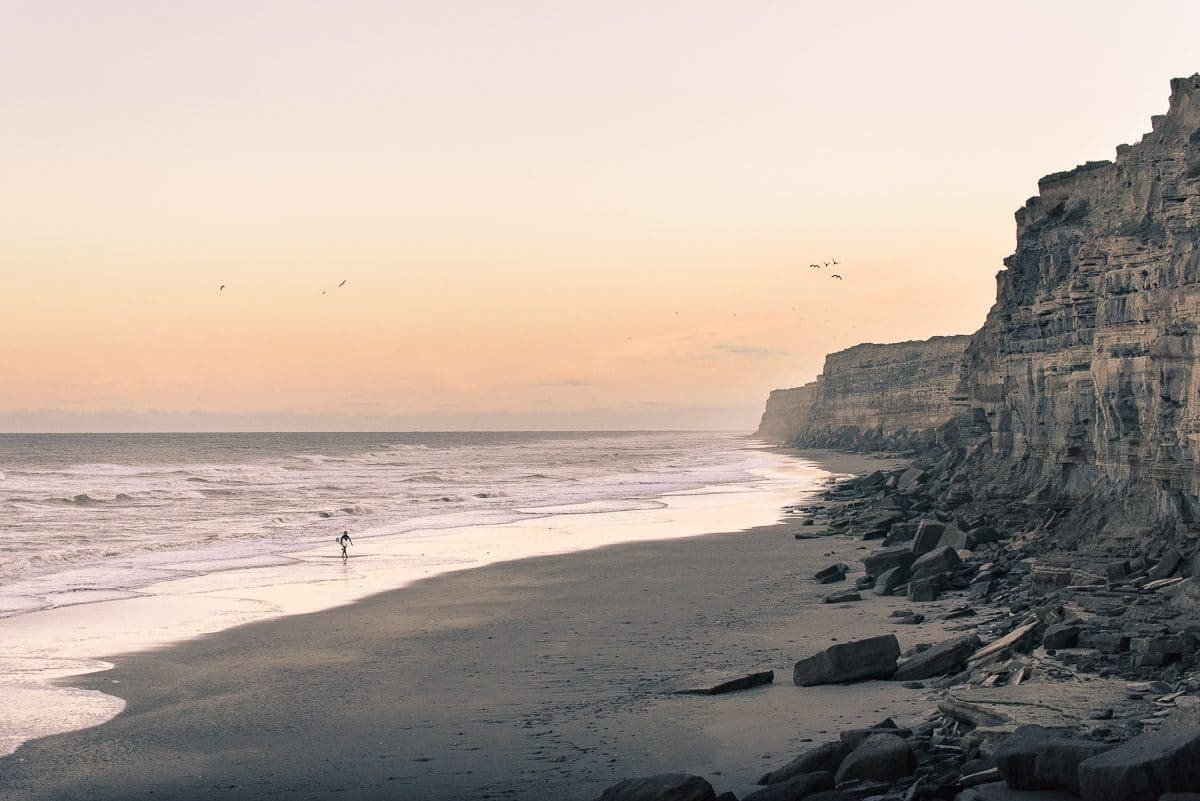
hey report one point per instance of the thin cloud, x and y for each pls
(569, 383)
(752, 350)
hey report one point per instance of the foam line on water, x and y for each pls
(68, 640)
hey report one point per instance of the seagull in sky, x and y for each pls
(835, 275)
(815, 266)
(221, 288)
(835, 262)
(826, 264)
(343, 283)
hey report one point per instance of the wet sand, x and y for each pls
(532, 679)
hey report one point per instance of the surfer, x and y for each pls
(343, 541)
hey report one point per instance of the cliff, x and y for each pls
(871, 397)
(1082, 382)
(788, 413)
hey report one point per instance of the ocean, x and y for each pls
(95, 515)
(113, 543)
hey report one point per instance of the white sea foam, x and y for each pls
(114, 505)
(178, 538)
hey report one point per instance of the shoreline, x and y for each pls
(76, 639)
(715, 616)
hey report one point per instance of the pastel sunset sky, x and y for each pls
(548, 214)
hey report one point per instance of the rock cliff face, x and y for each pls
(788, 413)
(1083, 381)
(871, 397)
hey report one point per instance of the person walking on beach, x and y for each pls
(343, 541)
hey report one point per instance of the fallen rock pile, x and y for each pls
(1023, 610)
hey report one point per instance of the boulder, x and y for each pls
(1062, 635)
(830, 574)
(853, 738)
(929, 534)
(873, 658)
(899, 534)
(910, 478)
(1143, 768)
(663, 787)
(798, 787)
(823, 758)
(886, 558)
(842, 597)
(938, 562)
(982, 535)
(924, 590)
(953, 537)
(1166, 566)
(891, 580)
(1015, 758)
(1057, 764)
(946, 657)
(882, 757)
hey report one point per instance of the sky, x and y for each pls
(548, 215)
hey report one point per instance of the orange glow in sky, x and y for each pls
(547, 214)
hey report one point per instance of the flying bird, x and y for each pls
(343, 283)
(221, 288)
(835, 261)
(835, 275)
(826, 264)
(815, 266)
(322, 291)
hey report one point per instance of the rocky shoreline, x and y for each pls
(1063, 678)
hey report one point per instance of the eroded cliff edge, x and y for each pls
(1082, 382)
(1079, 395)
(871, 397)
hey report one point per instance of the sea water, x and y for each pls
(120, 542)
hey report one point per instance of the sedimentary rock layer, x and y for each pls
(1083, 380)
(870, 396)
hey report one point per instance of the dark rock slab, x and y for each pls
(887, 558)
(1166, 566)
(910, 478)
(929, 534)
(891, 580)
(946, 657)
(1143, 768)
(882, 757)
(1016, 756)
(982, 535)
(938, 562)
(829, 575)
(823, 758)
(921, 590)
(1062, 635)
(873, 658)
(730, 685)
(663, 787)
(1057, 763)
(853, 738)
(794, 789)
(864, 583)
